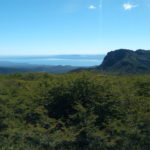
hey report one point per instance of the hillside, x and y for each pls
(124, 61)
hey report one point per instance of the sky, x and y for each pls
(43, 27)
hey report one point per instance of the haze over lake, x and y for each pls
(72, 60)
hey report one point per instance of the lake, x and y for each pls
(72, 60)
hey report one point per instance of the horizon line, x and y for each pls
(50, 54)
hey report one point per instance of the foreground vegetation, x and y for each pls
(78, 111)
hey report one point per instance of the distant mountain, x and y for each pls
(125, 61)
(120, 61)
(49, 64)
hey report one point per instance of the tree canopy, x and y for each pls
(76, 111)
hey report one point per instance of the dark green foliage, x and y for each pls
(126, 62)
(78, 111)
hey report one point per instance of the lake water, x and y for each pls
(73, 60)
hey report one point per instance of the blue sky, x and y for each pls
(34, 27)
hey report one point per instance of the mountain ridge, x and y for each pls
(125, 61)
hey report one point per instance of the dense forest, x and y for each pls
(75, 111)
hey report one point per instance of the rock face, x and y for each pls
(126, 62)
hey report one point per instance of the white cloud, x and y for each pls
(92, 7)
(128, 6)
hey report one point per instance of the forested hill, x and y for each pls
(124, 61)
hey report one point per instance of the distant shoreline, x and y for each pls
(52, 60)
